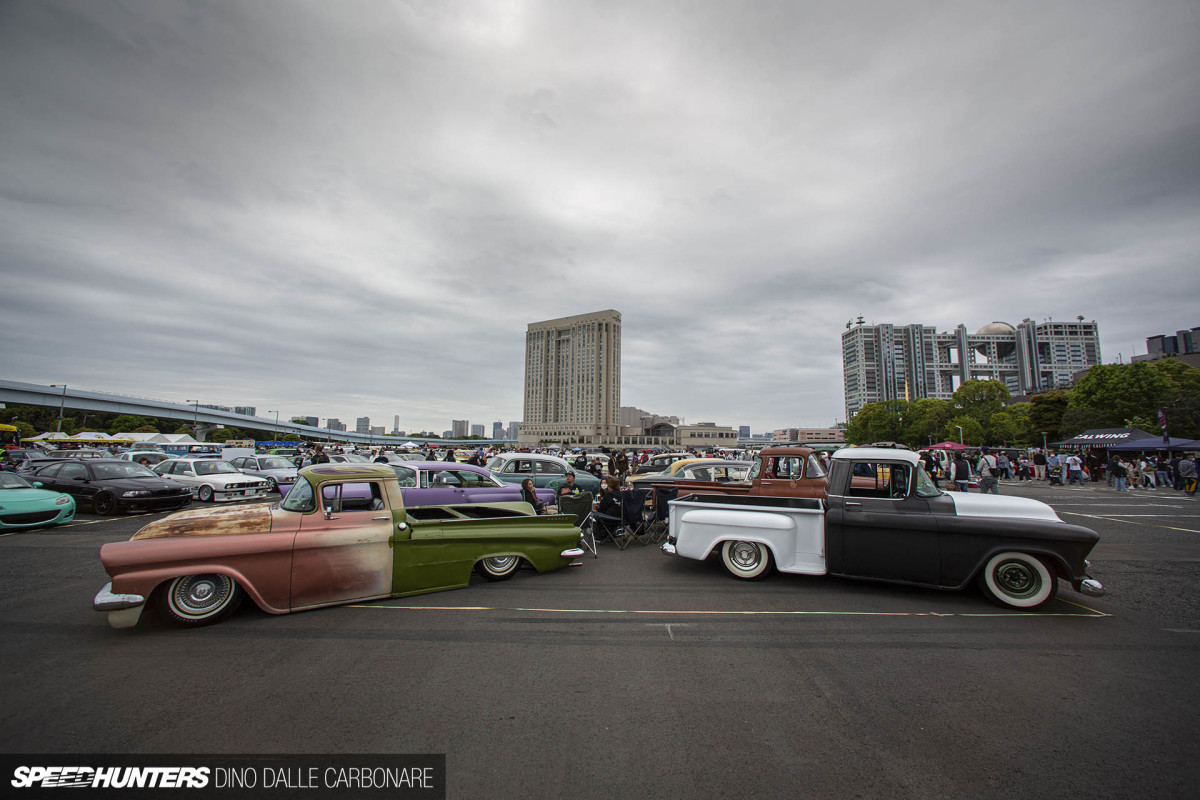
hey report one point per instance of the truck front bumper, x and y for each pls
(124, 610)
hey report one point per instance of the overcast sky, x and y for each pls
(355, 208)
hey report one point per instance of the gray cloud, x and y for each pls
(355, 208)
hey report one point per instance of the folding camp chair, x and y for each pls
(660, 515)
(580, 505)
(629, 525)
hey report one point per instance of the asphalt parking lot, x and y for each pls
(639, 675)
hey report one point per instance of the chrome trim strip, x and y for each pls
(574, 552)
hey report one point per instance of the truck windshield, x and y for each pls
(925, 487)
(300, 498)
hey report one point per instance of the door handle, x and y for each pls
(851, 503)
(380, 518)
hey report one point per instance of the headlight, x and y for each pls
(136, 493)
(62, 501)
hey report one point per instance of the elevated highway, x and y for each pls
(203, 420)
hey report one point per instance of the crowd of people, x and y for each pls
(1121, 472)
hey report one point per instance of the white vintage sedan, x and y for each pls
(273, 469)
(212, 479)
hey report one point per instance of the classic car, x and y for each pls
(777, 471)
(884, 520)
(28, 505)
(79, 452)
(147, 458)
(696, 475)
(676, 470)
(111, 486)
(300, 554)
(658, 462)
(273, 469)
(211, 479)
(433, 483)
(348, 458)
(543, 469)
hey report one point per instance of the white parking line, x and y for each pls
(1117, 518)
(1094, 614)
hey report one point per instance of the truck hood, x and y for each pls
(210, 522)
(995, 505)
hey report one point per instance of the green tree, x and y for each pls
(1121, 394)
(979, 400)
(1022, 427)
(125, 423)
(878, 422)
(289, 437)
(143, 429)
(972, 431)
(24, 428)
(1182, 404)
(926, 420)
(1002, 428)
(225, 434)
(1046, 415)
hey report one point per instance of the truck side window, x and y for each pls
(869, 480)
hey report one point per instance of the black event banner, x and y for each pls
(223, 776)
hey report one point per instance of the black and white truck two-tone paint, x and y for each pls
(884, 520)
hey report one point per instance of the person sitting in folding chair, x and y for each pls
(607, 516)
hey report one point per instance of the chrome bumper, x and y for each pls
(668, 548)
(105, 600)
(574, 552)
(1090, 587)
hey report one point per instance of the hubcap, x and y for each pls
(1017, 579)
(745, 555)
(500, 563)
(200, 594)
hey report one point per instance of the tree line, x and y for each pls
(1109, 396)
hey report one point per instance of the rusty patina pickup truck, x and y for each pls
(196, 566)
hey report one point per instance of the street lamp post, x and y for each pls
(61, 406)
(960, 439)
(1044, 445)
(276, 413)
(195, 415)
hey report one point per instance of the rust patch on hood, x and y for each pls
(210, 522)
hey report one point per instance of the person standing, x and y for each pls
(1039, 465)
(1187, 474)
(1119, 473)
(1074, 469)
(319, 456)
(962, 472)
(1005, 465)
(989, 473)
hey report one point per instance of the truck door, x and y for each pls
(343, 550)
(880, 528)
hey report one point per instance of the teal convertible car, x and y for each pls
(26, 505)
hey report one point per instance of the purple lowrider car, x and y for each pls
(441, 483)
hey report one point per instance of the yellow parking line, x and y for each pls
(1086, 608)
(739, 613)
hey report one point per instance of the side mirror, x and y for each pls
(38, 484)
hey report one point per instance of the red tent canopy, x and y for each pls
(948, 446)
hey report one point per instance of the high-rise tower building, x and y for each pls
(573, 379)
(898, 362)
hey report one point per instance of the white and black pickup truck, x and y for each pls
(883, 519)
